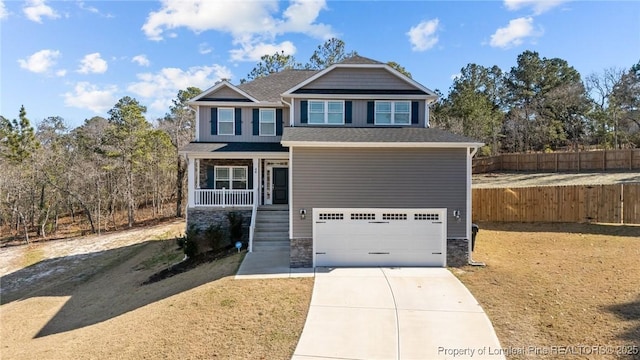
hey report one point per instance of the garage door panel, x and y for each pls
(379, 237)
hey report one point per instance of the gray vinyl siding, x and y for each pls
(247, 127)
(225, 93)
(361, 79)
(359, 113)
(379, 178)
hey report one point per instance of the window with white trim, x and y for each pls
(226, 124)
(267, 122)
(231, 177)
(393, 113)
(326, 112)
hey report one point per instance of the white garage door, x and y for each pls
(379, 237)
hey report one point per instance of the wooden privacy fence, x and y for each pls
(619, 203)
(626, 159)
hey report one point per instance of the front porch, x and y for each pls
(238, 183)
(240, 177)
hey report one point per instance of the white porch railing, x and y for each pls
(224, 197)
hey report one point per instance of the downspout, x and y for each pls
(290, 110)
(470, 153)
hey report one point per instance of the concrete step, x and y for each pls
(271, 236)
(273, 208)
(272, 224)
(271, 246)
(272, 216)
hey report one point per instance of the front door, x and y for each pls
(280, 185)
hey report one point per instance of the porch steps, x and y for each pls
(272, 229)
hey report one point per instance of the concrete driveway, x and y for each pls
(394, 313)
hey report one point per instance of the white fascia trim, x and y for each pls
(381, 144)
(426, 98)
(235, 104)
(237, 155)
(218, 86)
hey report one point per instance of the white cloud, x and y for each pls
(423, 36)
(252, 24)
(300, 17)
(41, 61)
(89, 96)
(61, 72)
(141, 60)
(3, 11)
(35, 10)
(201, 15)
(514, 33)
(253, 52)
(538, 6)
(204, 48)
(92, 63)
(82, 5)
(163, 86)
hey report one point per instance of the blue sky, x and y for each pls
(75, 59)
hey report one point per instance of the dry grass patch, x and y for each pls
(551, 285)
(103, 311)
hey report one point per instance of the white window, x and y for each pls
(226, 124)
(231, 177)
(267, 122)
(393, 113)
(326, 112)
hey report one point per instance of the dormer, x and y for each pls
(360, 92)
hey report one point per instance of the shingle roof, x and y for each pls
(372, 135)
(357, 59)
(269, 88)
(201, 147)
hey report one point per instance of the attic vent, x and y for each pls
(331, 216)
(363, 216)
(394, 216)
(426, 217)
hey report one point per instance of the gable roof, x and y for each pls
(362, 62)
(374, 137)
(269, 88)
(217, 86)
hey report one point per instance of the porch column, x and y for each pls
(256, 182)
(191, 181)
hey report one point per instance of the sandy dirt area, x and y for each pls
(522, 179)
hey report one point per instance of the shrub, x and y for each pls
(235, 226)
(188, 243)
(216, 236)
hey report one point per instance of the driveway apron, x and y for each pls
(394, 313)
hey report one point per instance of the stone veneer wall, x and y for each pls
(457, 252)
(202, 218)
(301, 253)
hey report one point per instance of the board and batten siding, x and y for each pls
(358, 114)
(379, 178)
(247, 127)
(359, 79)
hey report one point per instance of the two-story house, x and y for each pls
(339, 167)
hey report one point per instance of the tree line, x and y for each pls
(542, 104)
(122, 163)
(105, 167)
